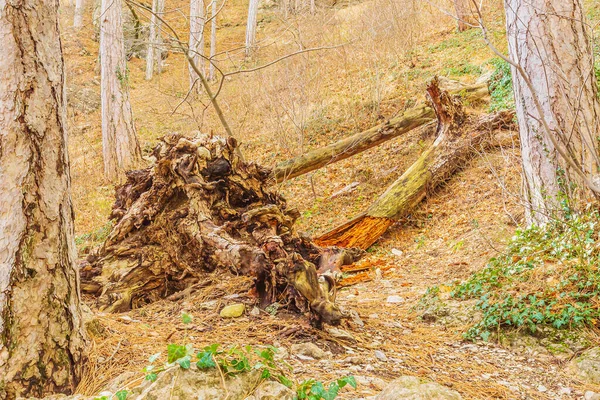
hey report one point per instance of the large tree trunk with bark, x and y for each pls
(465, 16)
(42, 339)
(120, 145)
(359, 142)
(196, 43)
(251, 26)
(550, 41)
(198, 209)
(154, 52)
(458, 138)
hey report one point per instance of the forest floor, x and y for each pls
(287, 110)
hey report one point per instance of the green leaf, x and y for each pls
(186, 318)
(175, 352)
(121, 394)
(205, 360)
(285, 381)
(347, 380)
(151, 377)
(266, 374)
(184, 362)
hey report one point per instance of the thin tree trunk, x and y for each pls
(42, 340)
(78, 18)
(159, 40)
(251, 26)
(213, 41)
(550, 42)
(464, 14)
(196, 45)
(119, 141)
(359, 142)
(152, 41)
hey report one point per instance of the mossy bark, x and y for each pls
(457, 138)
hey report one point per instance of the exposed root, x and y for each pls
(199, 209)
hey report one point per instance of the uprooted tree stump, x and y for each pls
(200, 208)
(458, 138)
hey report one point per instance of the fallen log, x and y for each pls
(359, 142)
(458, 138)
(200, 208)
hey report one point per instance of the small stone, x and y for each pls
(233, 310)
(308, 350)
(565, 391)
(380, 355)
(395, 299)
(397, 252)
(255, 311)
(373, 316)
(542, 388)
(341, 334)
(378, 274)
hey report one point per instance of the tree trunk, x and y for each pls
(213, 41)
(359, 142)
(78, 17)
(251, 26)
(120, 145)
(199, 209)
(196, 45)
(464, 14)
(159, 47)
(457, 140)
(42, 339)
(550, 41)
(153, 54)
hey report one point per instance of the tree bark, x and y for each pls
(196, 45)
(457, 139)
(359, 142)
(464, 14)
(200, 209)
(550, 41)
(120, 145)
(78, 17)
(153, 54)
(42, 339)
(213, 41)
(251, 26)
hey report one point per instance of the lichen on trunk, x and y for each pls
(200, 208)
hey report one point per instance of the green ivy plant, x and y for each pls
(547, 276)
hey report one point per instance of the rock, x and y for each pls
(370, 381)
(308, 350)
(179, 384)
(233, 310)
(410, 387)
(542, 388)
(587, 365)
(255, 311)
(589, 395)
(395, 299)
(340, 334)
(270, 390)
(380, 355)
